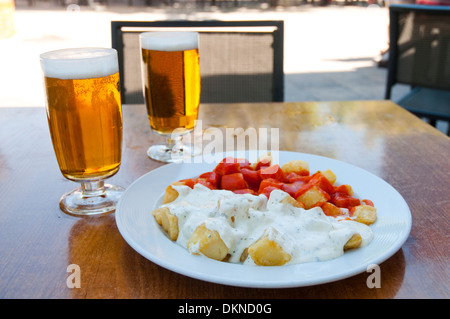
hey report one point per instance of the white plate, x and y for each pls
(138, 227)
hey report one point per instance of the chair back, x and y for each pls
(240, 61)
(419, 52)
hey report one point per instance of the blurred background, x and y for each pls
(332, 48)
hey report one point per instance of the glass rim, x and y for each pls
(77, 53)
(79, 63)
(169, 40)
(165, 33)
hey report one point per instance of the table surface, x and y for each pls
(39, 242)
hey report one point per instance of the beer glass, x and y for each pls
(171, 86)
(84, 115)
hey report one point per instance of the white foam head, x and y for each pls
(169, 41)
(79, 63)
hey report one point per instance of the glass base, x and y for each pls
(168, 154)
(87, 201)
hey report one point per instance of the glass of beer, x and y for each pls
(84, 115)
(171, 86)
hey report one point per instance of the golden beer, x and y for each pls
(171, 83)
(84, 111)
(84, 114)
(85, 122)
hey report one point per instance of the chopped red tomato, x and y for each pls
(267, 190)
(210, 177)
(251, 177)
(293, 177)
(303, 190)
(322, 182)
(228, 165)
(273, 171)
(241, 177)
(343, 200)
(343, 189)
(368, 202)
(189, 182)
(192, 181)
(233, 182)
(292, 188)
(206, 183)
(270, 182)
(262, 163)
(244, 163)
(245, 191)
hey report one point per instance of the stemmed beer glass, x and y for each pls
(171, 85)
(84, 114)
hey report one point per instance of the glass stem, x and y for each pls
(170, 143)
(93, 189)
(174, 144)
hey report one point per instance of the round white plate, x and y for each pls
(137, 226)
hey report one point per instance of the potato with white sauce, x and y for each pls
(167, 221)
(302, 218)
(208, 243)
(171, 193)
(267, 252)
(289, 200)
(354, 242)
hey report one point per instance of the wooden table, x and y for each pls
(38, 242)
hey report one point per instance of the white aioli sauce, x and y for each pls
(306, 235)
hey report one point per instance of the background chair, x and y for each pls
(240, 61)
(419, 56)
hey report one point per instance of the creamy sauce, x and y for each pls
(306, 235)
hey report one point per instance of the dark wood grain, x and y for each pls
(38, 242)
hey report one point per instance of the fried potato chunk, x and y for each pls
(295, 166)
(167, 221)
(331, 210)
(171, 194)
(329, 174)
(244, 255)
(346, 189)
(354, 242)
(266, 252)
(289, 200)
(365, 214)
(313, 197)
(208, 243)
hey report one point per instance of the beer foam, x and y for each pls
(79, 63)
(169, 41)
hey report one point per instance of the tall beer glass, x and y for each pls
(171, 85)
(84, 115)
